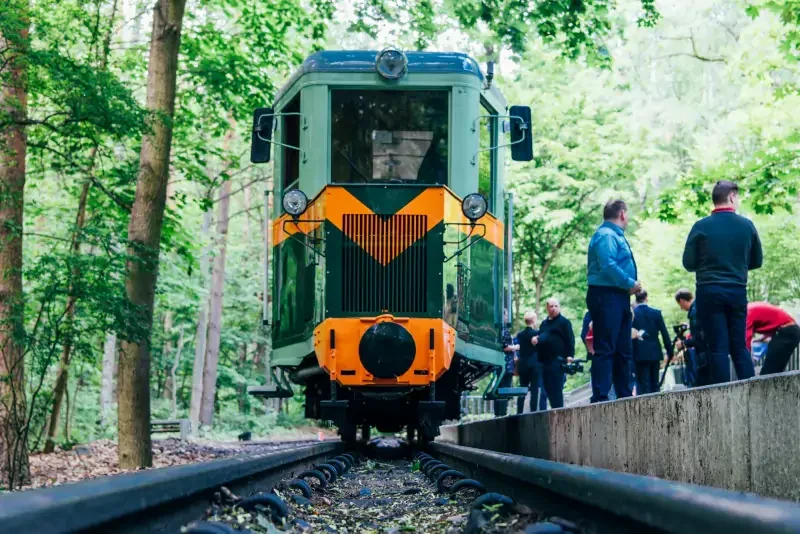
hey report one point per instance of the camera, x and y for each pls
(680, 329)
(572, 368)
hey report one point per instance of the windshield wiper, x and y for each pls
(352, 165)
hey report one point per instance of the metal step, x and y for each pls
(504, 393)
(270, 392)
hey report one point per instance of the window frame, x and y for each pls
(491, 116)
(448, 90)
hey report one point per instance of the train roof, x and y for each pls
(364, 61)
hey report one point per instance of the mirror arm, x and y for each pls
(474, 159)
(258, 129)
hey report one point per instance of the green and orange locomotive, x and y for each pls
(388, 249)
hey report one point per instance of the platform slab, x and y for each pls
(740, 436)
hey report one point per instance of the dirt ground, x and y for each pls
(99, 458)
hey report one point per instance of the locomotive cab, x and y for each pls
(387, 250)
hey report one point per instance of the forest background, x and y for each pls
(126, 124)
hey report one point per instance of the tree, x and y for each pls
(215, 308)
(14, 43)
(585, 154)
(144, 233)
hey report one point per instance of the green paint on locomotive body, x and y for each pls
(467, 291)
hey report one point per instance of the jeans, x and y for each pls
(530, 376)
(647, 377)
(722, 315)
(611, 323)
(780, 349)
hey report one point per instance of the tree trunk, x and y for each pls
(215, 308)
(62, 378)
(67, 408)
(202, 329)
(107, 386)
(165, 353)
(14, 467)
(144, 234)
(243, 387)
(247, 204)
(174, 374)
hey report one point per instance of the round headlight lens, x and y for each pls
(391, 64)
(474, 206)
(295, 202)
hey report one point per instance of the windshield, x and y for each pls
(389, 136)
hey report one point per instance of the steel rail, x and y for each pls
(659, 504)
(155, 500)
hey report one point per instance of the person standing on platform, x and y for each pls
(695, 354)
(647, 349)
(612, 279)
(528, 366)
(773, 322)
(556, 344)
(721, 249)
(501, 405)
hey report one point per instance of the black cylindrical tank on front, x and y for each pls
(387, 350)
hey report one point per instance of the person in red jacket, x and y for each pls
(772, 322)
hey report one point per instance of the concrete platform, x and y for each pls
(741, 436)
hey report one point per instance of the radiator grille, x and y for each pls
(384, 264)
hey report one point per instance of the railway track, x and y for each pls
(457, 489)
(598, 500)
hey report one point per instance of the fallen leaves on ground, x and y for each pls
(99, 458)
(373, 497)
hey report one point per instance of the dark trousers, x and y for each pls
(553, 384)
(611, 324)
(703, 377)
(647, 377)
(543, 393)
(530, 376)
(501, 405)
(780, 349)
(722, 315)
(690, 368)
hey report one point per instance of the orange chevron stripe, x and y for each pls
(388, 238)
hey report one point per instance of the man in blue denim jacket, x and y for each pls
(612, 280)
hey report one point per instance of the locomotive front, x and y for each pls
(387, 248)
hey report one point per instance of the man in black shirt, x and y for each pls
(721, 249)
(556, 343)
(528, 367)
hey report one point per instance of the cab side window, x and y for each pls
(487, 127)
(290, 157)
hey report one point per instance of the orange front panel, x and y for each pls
(343, 363)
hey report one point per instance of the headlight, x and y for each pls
(391, 63)
(474, 206)
(295, 202)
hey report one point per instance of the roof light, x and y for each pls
(391, 63)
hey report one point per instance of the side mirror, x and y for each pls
(261, 142)
(521, 133)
